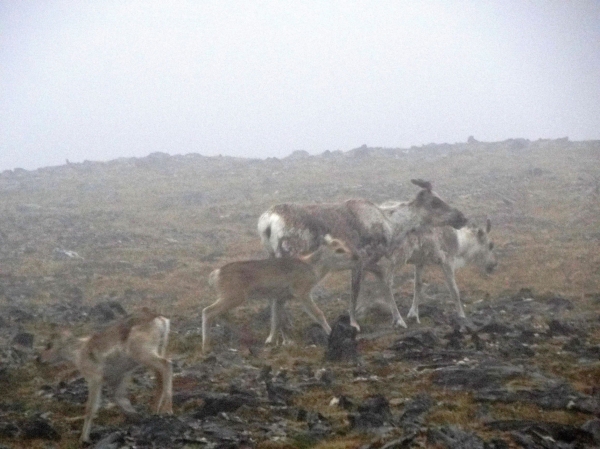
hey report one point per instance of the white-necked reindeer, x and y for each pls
(234, 281)
(111, 355)
(370, 231)
(450, 249)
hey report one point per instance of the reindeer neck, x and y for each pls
(467, 242)
(74, 349)
(313, 260)
(404, 220)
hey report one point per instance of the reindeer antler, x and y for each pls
(422, 183)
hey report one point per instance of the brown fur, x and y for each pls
(235, 281)
(372, 231)
(112, 354)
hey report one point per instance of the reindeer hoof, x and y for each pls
(400, 323)
(412, 313)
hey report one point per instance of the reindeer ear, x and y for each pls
(488, 225)
(421, 183)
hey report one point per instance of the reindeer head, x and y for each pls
(485, 257)
(336, 255)
(432, 210)
(58, 348)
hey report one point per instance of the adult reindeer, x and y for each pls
(370, 231)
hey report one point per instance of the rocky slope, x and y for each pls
(83, 244)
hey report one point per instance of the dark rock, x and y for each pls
(455, 339)
(159, 431)
(107, 311)
(277, 390)
(558, 304)
(531, 433)
(414, 413)
(8, 430)
(452, 437)
(226, 435)
(556, 327)
(318, 426)
(495, 327)
(345, 402)
(373, 412)
(24, 339)
(20, 315)
(342, 345)
(401, 443)
(593, 427)
(279, 393)
(215, 403)
(496, 443)
(39, 428)
(75, 391)
(416, 345)
(515, 348)
(484, 376)
(555, 397)
(582, 349)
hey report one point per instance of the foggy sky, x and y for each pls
(108, 79)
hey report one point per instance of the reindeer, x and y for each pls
(451, 249)
(234, 281)
(371, 231)
(111, 355)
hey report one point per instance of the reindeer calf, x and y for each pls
(299, 275)
(112, 354)
(451, 249)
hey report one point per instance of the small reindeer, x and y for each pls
(450, 249)
(299, 275)
(111, 355)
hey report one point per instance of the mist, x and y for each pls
(103, 80)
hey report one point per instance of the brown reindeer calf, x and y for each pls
(112, 354)
(299, 275)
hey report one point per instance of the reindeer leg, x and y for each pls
(283, 316)
(386, 278)
(164, 379)
(357, 275)
(311, 307)
(121, 397)
(92, 405)
(451, 282)
(418, 292)
(275, 311)
(277, 316)
(219, 307)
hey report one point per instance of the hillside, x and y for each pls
(78, 241)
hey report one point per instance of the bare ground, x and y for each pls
(81, 243)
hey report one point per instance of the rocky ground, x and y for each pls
(83, 244)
